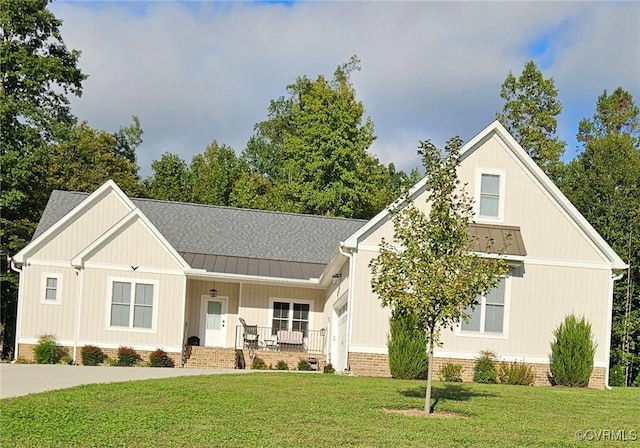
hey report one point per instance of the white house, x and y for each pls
(107, 270)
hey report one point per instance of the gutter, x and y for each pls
(79, 273)
(201, 273)
(19, 309)
(614, 278)
(351, 256)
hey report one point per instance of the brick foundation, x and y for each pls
(271, 358)
(210, 358)
(369, 364)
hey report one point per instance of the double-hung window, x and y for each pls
(490, 195)
(488, 315)
(51, 288)
(290, 316)
(132, 304)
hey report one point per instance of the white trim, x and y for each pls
(19, 312)
(183, 324)
(110, 345)
(224, 312)
(607, 346)
(502, 179)
(130, 218)
(313, 283)
(566, 263)
(48, 263)
(290, 301)
(78, 310)
(373, 349)
(154, 312)
(43, 288)
(103, 191)
(139, 270)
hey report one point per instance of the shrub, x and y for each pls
(22, 360)
(92, 355)
(47, 350)
(127, 357)
(258, 364)
(281, 365)
(636, 382)
(159, 358)
(407, 347)
(304, 365)
(514, 373)
(328, 368)
(66, 360)
(617, 376)
(451, 373)
(572, 352)
(485, 369)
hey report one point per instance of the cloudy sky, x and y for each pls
(198, 71)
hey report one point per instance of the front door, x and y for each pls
(214, 311)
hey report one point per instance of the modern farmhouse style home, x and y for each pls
(215, 286)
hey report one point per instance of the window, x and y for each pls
(124, 313)
(51, 288)
(290, 316)
(488, 314)
(490, 195)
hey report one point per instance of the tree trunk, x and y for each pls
(427, 400)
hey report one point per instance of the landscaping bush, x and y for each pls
(407, 346)
(328, 368)
(281, 365)
(159, 358)
(572, 353)
(514, 373)
(127, 357)
(47, 350)
(92, 355)
(451, 373)
(258, 364)
(66, 360)
(485, 369)
(304, 365)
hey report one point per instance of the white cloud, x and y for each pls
(198, 71)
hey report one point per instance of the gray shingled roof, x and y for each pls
(212, 230)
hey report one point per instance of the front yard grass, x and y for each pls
(290, 409)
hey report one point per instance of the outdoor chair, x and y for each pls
(250, 334)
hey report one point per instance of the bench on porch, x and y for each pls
(290, 340)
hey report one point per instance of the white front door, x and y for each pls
(339, 335)
(214, 312)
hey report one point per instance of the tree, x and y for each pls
(429, 270)
(603, 183)
(214, 174)
(529, 114)
(37, 73)
(171, 179)
(87, 158)
(313, 150)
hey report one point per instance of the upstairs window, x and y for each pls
(490, 195)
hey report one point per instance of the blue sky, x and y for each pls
(198, 71)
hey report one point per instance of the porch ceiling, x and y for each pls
(224, 264)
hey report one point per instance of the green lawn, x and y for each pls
(289, 409)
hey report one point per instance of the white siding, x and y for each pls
(198, 288)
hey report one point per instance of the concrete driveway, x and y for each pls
(24, 379)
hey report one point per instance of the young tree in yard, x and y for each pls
(529, 114)
(429, 269)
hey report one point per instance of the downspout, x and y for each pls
(80, 273)
(609, 324)
(351, 256)
(19, 310)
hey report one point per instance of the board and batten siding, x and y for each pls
(336, 292)
(85, 229)
(47, 318)
(167, 307)
(134, 245)
(196, 289)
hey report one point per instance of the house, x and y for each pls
(107, 270)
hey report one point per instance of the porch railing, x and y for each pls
(268, 338)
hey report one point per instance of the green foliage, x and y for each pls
(281, 365)
(127, 357)
(92, 355)
(451, 373)
(240, 410)
(328, 368)
(37, 74)
(171, 179)
(485, 369)
(258, 364)
(429, 270)
(47, 350)
(516, 374)
(617, 377)
(214, 173)
(66, 360)
(160, 358)
(21, 360)
(572, 353)
(407, 347)
(303, 364)
(529, 114)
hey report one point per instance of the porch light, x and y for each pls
(213, 293)
(336, 278)
(323, 332)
